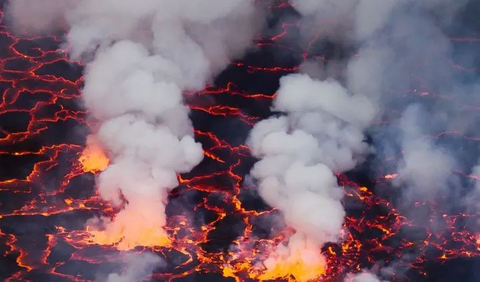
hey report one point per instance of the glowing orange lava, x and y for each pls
(93, 158)
(152, 237)
(126, 235)
(391, 176)
(300, 265)
(300, 270)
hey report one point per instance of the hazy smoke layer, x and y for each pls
(413, 71)
(141, 55)
(404, 57)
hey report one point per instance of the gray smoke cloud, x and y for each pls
(140, 57)
(404, 59)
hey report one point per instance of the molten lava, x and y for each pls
(48, 194)
(297, 266)
(93, 158)
(148, 231)
(149, 234)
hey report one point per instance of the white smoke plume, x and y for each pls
(320, 134)
(408, 63)
(140, 56)
(407, 51)
(322, 130)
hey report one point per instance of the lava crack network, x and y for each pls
(218, 228)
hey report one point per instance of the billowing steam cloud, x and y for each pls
(141, 56)
(320, 135)
(403, 50)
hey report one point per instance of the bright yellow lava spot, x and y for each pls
(297, 267)
(228, 272)
(126, 241)
(130, 228)
(93, 158)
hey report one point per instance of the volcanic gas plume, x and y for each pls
(266, 140)
(133, 92)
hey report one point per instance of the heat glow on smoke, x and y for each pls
(94, 160)
(294, 266)
(119, 237)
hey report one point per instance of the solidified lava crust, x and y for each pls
(46, 196)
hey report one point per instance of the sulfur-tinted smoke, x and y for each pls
(140, 57)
